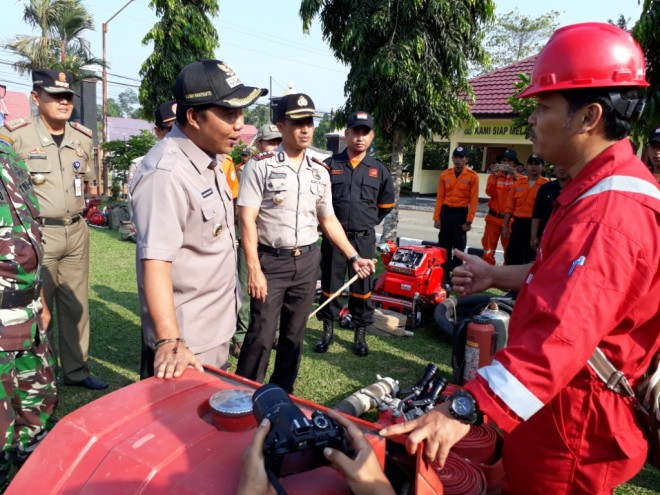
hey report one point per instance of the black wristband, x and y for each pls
(353, 259)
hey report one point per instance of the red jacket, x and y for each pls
(595, 282)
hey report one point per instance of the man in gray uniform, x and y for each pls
(186, 256)
(59, 156)
(284, 195)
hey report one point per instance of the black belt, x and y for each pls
(495, 214)
(354, 234)
(60, 221)
(285, 252)
(19, 298)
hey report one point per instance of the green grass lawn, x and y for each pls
(324, 378)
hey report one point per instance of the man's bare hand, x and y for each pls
(169, 364)
(363, 472)
(254, 480)
(257, 284)
(364, 267)
(473, 276)
(437, 428)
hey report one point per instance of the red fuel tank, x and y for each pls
(163, 436)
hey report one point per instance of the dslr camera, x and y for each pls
(294, 443)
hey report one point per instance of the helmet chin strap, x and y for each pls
(629, 109)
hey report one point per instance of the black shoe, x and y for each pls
(327, 339)
(360, 347)
(91, 382)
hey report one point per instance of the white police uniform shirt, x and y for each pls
(289, 201)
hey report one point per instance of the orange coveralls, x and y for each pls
(497, 188)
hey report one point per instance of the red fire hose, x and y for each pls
(460, 477)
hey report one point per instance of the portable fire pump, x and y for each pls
(92, 213)
(412, 280)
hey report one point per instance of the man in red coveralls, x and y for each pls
(595, 283)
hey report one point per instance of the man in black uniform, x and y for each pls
(362, 195)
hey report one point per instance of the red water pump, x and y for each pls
(412, 280)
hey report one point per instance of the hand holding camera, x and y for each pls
(294, 444)
(285, 449)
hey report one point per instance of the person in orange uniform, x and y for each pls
(455, 206)
(502, 177)
(520, 205)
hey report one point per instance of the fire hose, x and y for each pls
(474, 466)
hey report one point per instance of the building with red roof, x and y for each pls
(494, 131)
(13, 106)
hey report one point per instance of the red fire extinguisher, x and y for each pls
(479, 348)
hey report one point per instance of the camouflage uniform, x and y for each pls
(28, 395)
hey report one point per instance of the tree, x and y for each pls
(408, 65)
(622, 21)
(128, 101)
(514, 37)
(119, 154)
(60, 45)
(183, 35)
(647, 33)
(325, 126)
(257, 115)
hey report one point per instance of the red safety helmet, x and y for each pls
(588, 55)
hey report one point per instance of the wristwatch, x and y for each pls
(463, 407)
(353, 259)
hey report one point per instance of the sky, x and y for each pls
(262, 40)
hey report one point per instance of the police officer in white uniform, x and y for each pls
(284, 195)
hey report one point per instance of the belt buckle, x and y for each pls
(295, 252)
(67, 221)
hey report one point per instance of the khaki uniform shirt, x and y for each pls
(58, 174)
(289, 202)
(183, 214)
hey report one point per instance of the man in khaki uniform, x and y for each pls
(184, 218)
(59, 156)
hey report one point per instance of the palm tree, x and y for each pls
(60, 44)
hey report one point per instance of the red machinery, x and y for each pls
(173, 436)
(412, 280)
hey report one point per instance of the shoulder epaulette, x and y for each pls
(6, 140)
(79, 127)
(14, 124)
(167, 161)
(263, 155)
(322, 163)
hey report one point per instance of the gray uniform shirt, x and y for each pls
(183, 214)
(289, 202)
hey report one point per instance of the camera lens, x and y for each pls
(267, 401)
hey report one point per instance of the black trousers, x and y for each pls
(519, 252)
(452, 236)
(291, 289)
(334, 268)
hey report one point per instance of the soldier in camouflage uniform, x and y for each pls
(28, 395)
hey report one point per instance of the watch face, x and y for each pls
(462, 405)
